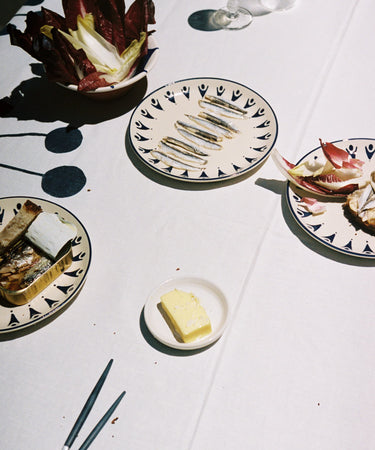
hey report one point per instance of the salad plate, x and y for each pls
(60, 292)
(332, 228)
(212, 299)
(170, 112)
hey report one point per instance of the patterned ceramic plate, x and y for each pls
(158, 114)
(332, 228)
(64, 288)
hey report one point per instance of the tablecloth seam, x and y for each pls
(322, 79)
(234, 314)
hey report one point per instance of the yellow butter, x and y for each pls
(187, 316)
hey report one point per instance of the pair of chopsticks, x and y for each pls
(86, 410)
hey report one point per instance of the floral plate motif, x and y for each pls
(332, 228)
(64, 288)
(156, 115)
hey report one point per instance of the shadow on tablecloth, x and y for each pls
(41, 100)
(19, 333)
(202, 20)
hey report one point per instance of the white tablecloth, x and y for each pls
(294, 369)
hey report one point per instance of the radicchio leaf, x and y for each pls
(328, 184)
(72, 9)
(67, 64)
(139, 15)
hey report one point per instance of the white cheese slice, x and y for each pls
(50, 234)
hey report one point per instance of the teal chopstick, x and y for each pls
(101, 424)
(87, 408)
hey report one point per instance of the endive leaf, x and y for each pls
(94, 45)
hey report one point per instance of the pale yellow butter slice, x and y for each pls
(187, 316)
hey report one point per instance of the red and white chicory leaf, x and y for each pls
(313, 205)
(332, 173)
(96, 43)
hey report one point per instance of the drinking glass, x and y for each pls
(277, 5)
(232, 16)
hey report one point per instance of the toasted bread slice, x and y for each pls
(18, 225)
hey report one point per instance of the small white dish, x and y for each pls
(212, 299)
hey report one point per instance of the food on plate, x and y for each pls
(222, 107)
(360, 206)
(17, 226)
(187, 316)
(182, 146)
(21, 265)
(181, 152)
(313, 206)
(212, 125)
(198, 136)
(36, 250)
(96, 44)
(332, 173)
(173, 161)
(205, 133)
(49, 233)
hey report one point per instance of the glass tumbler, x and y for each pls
(277, 5)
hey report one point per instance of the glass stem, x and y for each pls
(232, 7)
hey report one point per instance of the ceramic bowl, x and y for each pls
(119, 89)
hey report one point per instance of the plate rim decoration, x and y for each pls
(250, 163)
(157, 325)
(34, 317)
(292, 192)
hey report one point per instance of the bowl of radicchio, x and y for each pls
(98, 49)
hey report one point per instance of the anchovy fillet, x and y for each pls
(181, 145)
(218, 121)
(221, 110)
(210, 126)
(181, 154)
(198, 140)
(166, 159)
(366, 200)
(221, 102)
(199, 132)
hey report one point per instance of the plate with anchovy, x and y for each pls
(331, 225)
(203, 130)
(63, 289)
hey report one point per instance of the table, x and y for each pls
(294, 369)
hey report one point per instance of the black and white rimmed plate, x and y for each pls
(332, 228)
(156, 115)
(60, 292)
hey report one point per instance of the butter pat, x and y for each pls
(186, 314)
